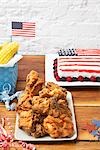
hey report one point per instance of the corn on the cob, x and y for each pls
(8, 52)
(3, 45)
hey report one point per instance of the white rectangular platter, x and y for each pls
(49, 76)
(21, 135)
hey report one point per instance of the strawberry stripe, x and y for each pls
(77, 65)
(71, 70)
(88, 51)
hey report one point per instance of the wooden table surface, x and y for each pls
(86, 104)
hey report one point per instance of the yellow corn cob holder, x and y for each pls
(7, 51)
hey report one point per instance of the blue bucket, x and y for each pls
(8, 78)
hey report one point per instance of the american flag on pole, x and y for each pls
(24, 29)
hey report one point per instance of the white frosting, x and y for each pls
(95, 68)
(76, 74)
(77, 63)
(65, 64)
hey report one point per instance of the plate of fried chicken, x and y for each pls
(45, 112)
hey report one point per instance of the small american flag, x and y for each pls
(25, 29)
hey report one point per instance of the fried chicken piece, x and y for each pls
(24, 102)
(63, 107)
(37, 87)
(45, 92)
(40, 105)
(62, 102)
(38, 118)
(32, 77)
(23, 97)
(37, 126)
(25, 121)
(59, 121)
(26, 114)
(56, 92)
(38, 131)
(34, 89)
(58, 127)
(51, 86)
(33, 86)
(58, 107)
(33, 83)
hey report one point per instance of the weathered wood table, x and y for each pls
(86, 103)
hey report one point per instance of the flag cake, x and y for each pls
(77, 65)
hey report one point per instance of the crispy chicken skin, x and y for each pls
(58, 107)
(53, 90)
(40, 105)
(38, 130)
(32, 77)
(37, 87)
(58, 93)
(25, 121)
(51, 86)
(33, 85)
(24, 102)
(58, 127)
(58, 123)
